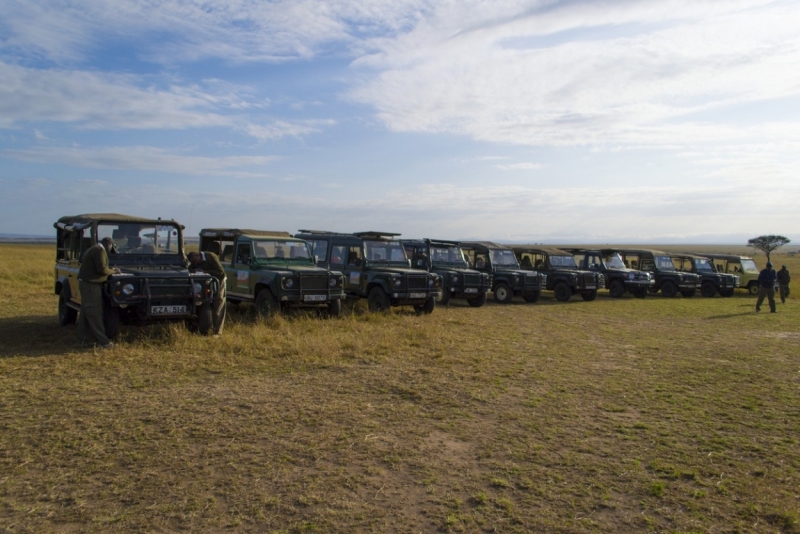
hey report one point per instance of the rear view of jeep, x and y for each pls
(154, 284)
(376, 268)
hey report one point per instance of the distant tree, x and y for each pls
(768, 243)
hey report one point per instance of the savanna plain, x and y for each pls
(653, 415)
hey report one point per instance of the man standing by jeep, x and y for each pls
(766, 287)
(208, 262)
(93, 274)
(783, 283)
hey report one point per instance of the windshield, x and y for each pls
(276, 249)
(563, 261)
(749, 266)
(450, 254)
(141, 239)
(702, 264)
(664, 263)
(385, 251)
(505, 258)
(614, 262)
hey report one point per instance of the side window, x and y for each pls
(646, 265)
(243, 253)
(319, 248)
(526, 261)
(338, 255)
(227, 251)
(469, 255)
(539, 261)
(354, 255)
(481, 260)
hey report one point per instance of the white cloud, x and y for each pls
(97, 100)
(279, 129)
(630, 73)
(519, 166)
(144, 158)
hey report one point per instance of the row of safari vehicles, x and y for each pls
(314, 269)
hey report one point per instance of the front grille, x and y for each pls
(531, 280)
(170, 287)
(314, 281)
(417, 282)
(472, 280)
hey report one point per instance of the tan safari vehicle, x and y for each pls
(154, 284)
(742, 266)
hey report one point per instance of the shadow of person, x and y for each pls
(36, 336)
(729, 315)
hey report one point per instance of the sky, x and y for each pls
(640, 121)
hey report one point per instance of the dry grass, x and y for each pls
(627, 415)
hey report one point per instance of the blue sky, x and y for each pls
(594, 121)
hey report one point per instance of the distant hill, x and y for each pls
(26, 238)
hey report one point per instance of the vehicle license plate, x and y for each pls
(591, 287)
(313, 298)
(471, 290)
(167, 310)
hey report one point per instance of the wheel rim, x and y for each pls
(502, 293)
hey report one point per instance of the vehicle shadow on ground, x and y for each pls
(750, 311)
(35, 336)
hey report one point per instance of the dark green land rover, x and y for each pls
(564, 278)
(711, 282)
(668, 279)
(154, 284)
(376, 268)
(446, 259)
(274, 270)
(509, 280)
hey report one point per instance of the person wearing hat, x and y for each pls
(783, 283)
(93, 274)
(766, 287)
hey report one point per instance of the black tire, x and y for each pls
(753, 288)
(66, 315)
(205, 320)
(640, 293)
(669, 289)
(426, 308)
(503, 293)
(267, 304)
(562, 292)
(378, 300)
(478, 301)
(688, 293)
(445, 298)
(532, 297)
(726, 292)
(111, 321)
(335, 308)
(589, 296)
(708, 289)
(616, 289)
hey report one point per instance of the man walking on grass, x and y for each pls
(783, 283)
(93, 274)
(766, 287)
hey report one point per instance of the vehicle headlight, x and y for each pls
(455, 279)
(631, 276)
(288, 283)
(397, 282)
(516, 279)
(333, 282)
(128, 289)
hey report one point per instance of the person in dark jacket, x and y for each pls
(766, 287)
(208, 262)
(92, 275)
(783, 283)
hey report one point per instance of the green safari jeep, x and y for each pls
(274, 270)
(376, 268)
(742, 266)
